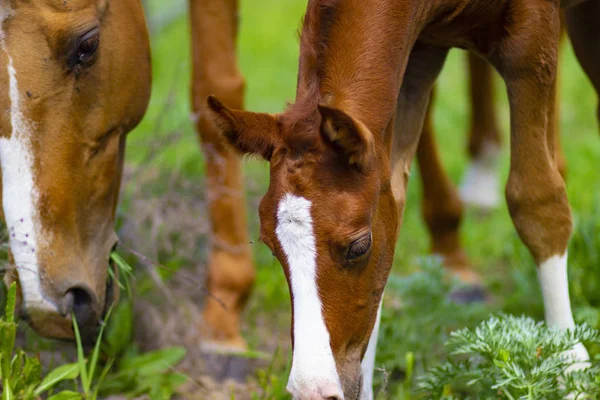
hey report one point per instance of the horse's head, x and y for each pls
(330, 218)
(74, 79)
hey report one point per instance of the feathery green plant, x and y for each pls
(419, 324)
(511, 358)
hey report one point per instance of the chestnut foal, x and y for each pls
(230, 271)
(340, 159)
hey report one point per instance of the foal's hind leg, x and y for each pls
(582, 24)
(424, 65)
(480, 183)
(535, 192)
(230, 270)
(442, 208)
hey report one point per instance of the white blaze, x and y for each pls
(553, 278)
(313, 367)
(19, 194)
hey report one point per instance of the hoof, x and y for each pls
(480, 185)
(227, 366)
(579, 356)
(469, 295)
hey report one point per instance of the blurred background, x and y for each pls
(164, 230)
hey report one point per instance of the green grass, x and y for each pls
(268, 53)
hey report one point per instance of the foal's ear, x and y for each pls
(349, 134)
(248, 132)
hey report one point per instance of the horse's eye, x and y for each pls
(359, 247)
(88, 47)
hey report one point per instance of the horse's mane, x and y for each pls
(302, 118)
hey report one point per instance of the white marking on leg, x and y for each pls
(480, 187)
(20, 196)
(368, 362)
(314, 370)
(553, 278)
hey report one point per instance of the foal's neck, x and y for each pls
(353, 55)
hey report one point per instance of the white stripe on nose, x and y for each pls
(19, 195)
(313, 366)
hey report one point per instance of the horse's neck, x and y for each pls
(364, 57)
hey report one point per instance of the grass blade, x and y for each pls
(85, 380)
(7, 393)
(103, 375)
(125, 270)
(96, 353)
(10, 303)
(8, 332)
(64, 372)
(66, 395)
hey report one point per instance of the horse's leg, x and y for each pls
(480, 183)
(230, 270)
(424, 65)
(535, 192)
(441, 206)
(554, 127)
(582, 25)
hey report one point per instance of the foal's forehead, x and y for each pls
(73, 5)
(7, 9)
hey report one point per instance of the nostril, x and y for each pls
(331, 393)
(80, 302)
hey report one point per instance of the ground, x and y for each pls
(162, 211)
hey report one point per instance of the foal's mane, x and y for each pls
(302, 118)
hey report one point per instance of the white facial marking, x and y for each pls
(314, 370)
(19, 195)
(480, 186)
(552, 275)
(368, 362)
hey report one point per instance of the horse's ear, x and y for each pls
(348, 134)
(248, 132)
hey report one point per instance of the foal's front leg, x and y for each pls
(535, 192)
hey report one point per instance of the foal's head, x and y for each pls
(74, 79)
(330, 218)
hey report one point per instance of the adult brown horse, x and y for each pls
(68, 97)
(367, 68)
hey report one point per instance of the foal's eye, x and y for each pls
(359, 247)
(88, 47)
